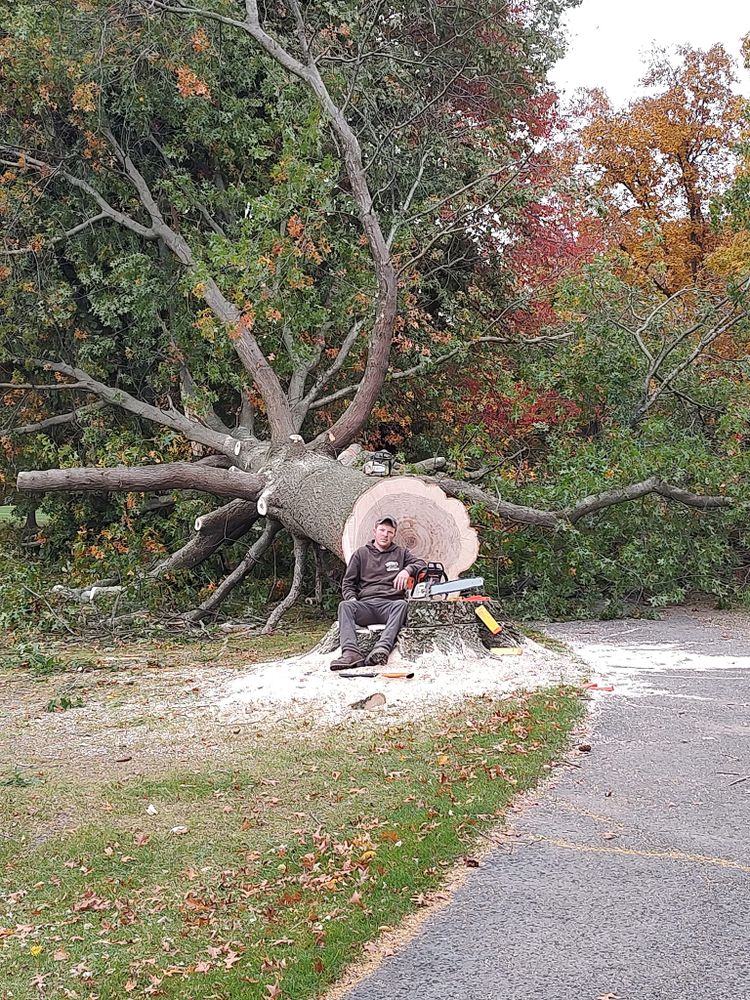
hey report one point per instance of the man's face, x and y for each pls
(384, 535)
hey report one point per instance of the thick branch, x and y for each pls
(49, 170)
(584, 508)
(351, 421)
(174, 476)
(171, 417)
(250, 560)
(226, 524)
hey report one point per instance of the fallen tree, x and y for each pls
(401, 208)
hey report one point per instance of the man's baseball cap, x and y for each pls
(387, 520)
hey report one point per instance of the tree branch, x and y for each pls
(57, 239)
(245, 345)
(213, 530)
(57, 421)
(300, 553)
(251, 558)
(427, 364)
(107, 210)
(584, 508)
(323, 379)
(149, 478)
(192, 430)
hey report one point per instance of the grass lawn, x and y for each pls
(9, 515)
(258, 868)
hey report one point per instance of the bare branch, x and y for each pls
(57, 239)
(49, 170)
(398, 221)
(57, 421)
(584, 508)
(199, 409)
(343, 352)
(51, 387)
(244, 343)
(251, 558)
(170, 417)
(147, 479)
(179, 8)
(428, 364)
(300, 553)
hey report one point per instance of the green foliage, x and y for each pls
(64, 703)
(628, 558)
(29, 656)
(16, 779)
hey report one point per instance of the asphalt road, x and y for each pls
(630, 877)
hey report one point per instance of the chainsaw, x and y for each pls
(432, 584)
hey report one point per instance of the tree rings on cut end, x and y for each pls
(431, 524)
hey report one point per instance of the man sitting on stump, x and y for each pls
(374, 592)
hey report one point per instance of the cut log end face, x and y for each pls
(431, 524)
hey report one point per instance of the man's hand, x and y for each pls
(402, 580)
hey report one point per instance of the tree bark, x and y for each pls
(251, 559)
(337, 507)
(226, 524)
(150, 478)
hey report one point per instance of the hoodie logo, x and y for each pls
(391, 565)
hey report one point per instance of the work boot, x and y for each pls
(350, 658)
(377, 658)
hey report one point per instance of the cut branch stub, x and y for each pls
(431, 524)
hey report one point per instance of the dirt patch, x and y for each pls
(146, 708)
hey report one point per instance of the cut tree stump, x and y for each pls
(445, 626)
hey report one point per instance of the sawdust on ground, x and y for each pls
(144, 712)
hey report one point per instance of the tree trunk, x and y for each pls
(338, 507)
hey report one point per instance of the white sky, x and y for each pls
(608, 40)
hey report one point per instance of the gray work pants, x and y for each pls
(373, 611)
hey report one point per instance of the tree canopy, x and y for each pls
(228, 228)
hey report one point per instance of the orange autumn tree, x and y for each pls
(658, 162)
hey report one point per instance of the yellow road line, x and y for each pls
(580, 811)
(701, 859)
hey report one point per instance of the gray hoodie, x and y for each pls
(370, 573)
